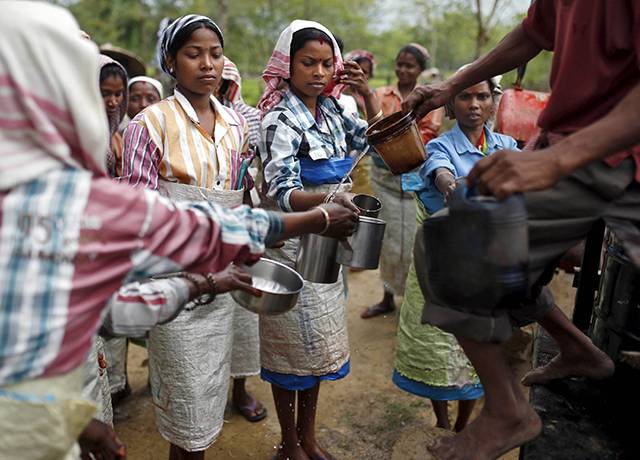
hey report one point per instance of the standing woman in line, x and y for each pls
(190, 147)
(70, 237)
(113, 87)
(306, 140)
(245, 350)
(398, 207)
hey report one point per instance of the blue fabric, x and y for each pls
(301, 382)
(451, 150)
(465, 393)
(318, 172)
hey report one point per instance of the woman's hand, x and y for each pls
(98, 440)
(445, 182)
(345, 199)
(234, 278)
(342, 220)
(354, 77)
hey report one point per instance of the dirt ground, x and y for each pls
(361, 416)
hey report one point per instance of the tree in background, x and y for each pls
(453, 30)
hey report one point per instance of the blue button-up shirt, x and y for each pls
(454, 151)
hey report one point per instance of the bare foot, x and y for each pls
(594, 364)
(316, 452)
(488, 437)
(286, 452)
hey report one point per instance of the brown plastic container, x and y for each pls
(397, 140)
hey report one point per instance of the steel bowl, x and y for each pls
(280, 286)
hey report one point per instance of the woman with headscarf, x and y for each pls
(70, 236)
(143, 92)
(190, 146)
(398, 207)
(306, 140)
(429, 362)
(113, 87)
(367, 63)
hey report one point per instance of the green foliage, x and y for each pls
(448, 28)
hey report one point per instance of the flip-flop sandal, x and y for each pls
(248, 412)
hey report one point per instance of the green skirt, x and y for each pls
(425, 353)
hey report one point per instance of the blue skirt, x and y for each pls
(301, 382)
(465, 393)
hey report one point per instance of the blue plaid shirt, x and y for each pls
(290, 132)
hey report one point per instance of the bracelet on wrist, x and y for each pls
(329, 197)
(201, 298)
(327, 220)
(213, 285)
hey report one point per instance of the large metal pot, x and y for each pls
(397, 140)
(362, 249)
(316, 259)
(280, 286)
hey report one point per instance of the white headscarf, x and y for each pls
(51, 111)
(152, 81)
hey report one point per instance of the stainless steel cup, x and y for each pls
(316, 260)
(363, 248)
(368, 205)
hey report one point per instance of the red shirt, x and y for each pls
(596, 61)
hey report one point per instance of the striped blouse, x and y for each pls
(167, 141)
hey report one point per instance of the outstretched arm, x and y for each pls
(514, 49)
(505, 173)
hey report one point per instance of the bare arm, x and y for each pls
(505, 172)
(514, 49)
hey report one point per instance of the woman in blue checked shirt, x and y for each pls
(305, 142)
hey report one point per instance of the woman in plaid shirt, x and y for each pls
(306, 138)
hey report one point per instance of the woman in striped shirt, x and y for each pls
(190, 146)
(70, 236)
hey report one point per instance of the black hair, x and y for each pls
(362, 59)
(113, 70)
(185, 34)
(416, 53)
(303, 36)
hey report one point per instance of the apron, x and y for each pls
(190, 357)
(311, 338)
(96, 381)
(399, 211)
